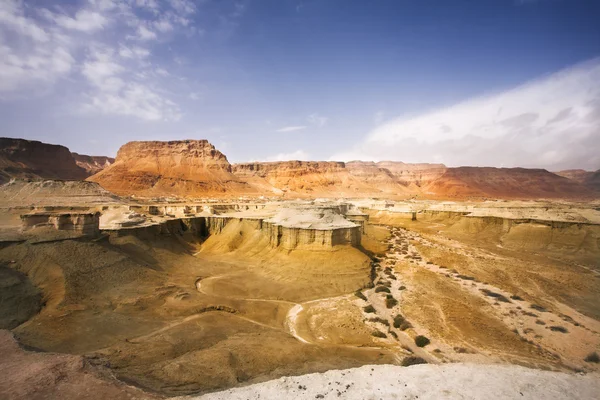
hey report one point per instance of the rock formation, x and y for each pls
(590, 179)
(30, 159)
(92, 164)
(185, 168)
(504, 183)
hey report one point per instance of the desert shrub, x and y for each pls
(360, 295)
(380, 289)
(422, 341)
(369, 309)
(529, 314)
(495, 295)
(394, 335)
(380, 320)
(466, 277)
(538, 307)
(398, 320)
(393, 277)
(560, 329)
(402, 287)
(515, 297)
(592, 357)
(540, 322)
(405, 325)
(412, 360)
(379, 334)
(390, 301)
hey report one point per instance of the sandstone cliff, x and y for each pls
(92, 164)
(504, 183)
(30, 159)
(187, 168)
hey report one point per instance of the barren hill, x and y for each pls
(504, 183)
(92, 164)
(590, 179)
(30, 159)
(177, 168)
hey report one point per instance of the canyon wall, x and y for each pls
(92, 164)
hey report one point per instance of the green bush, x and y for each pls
(592, 357)
(369, 309)
(390, 301)
(360, 295)
(412, 360)
(405, 325)
(398, 320)
(379, 334)
(422, 341)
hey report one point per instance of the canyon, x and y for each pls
(170, 272)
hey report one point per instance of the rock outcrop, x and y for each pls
(504, 183)
(93, 164)
(30, 159)
(187, 168)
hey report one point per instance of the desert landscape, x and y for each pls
(299, 199)
(169, 272)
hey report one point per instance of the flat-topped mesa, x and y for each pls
(287, 168)
(316, 228)
(176, 168)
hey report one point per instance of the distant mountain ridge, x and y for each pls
(195, 168)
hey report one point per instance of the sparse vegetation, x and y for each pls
(540, 322)
(398, 320)
(466, 277)
(380, 320)
(560, 329)
(412, 360)
(538, 307)
(394, 335)
(529, 314)
(380, 289)
(369, 309)
(405, 325)
(495, 295)
(390, 301)
(592, 357)
(422, 341)
(516, 297)
(379, 334)
(360, 295)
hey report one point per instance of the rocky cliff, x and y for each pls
(92, 164)
(590, 179)
(187, 168)
(504, 183)
(30, 159)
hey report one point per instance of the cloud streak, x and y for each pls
(290, 129)
(551, 122)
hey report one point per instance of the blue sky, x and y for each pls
(487, 82)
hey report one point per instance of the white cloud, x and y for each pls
(291, 128)
(144, 33)
(84, 20)
(317, 120)
(133, 52)
(300, 155)
(551, 122)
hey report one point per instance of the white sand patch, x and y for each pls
(450, 381)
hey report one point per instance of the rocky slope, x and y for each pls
(590, 179)
(30, 159)
(504, 183)
(187, 168)
(92, 164)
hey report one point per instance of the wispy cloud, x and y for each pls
(40, 46)
(291, 128)
(551, 122)
(317, 120)
(300, 155)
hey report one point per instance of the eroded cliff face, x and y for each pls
(30, 159)
(92, 164)
(504, 183)
(184, 168)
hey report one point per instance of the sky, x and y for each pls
(488, 82)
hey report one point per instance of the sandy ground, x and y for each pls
(456, 381)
